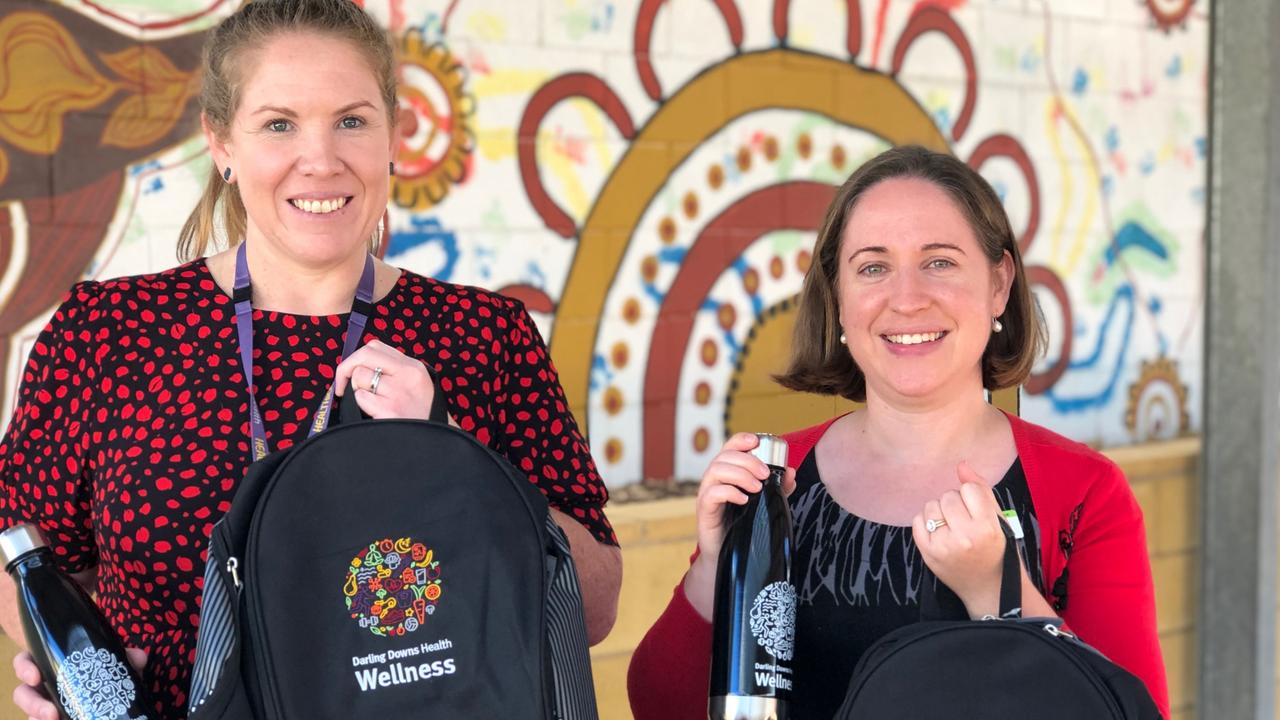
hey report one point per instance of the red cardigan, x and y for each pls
(1078, 495)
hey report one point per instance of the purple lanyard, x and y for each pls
(361, 307)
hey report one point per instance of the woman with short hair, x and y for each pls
(916, 304)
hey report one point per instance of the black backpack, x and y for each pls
(390, 569)
(1005, 667)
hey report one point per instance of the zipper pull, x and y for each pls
(1056, 631)
(233, 567)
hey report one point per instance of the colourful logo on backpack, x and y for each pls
(392, 586)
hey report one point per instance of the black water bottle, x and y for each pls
(80, 657)
(754, 623)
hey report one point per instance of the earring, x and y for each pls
(393, 167)
(843, 339)
(226, 174)
(996, 325)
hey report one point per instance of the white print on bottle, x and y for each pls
(94, 684)
(773, 619)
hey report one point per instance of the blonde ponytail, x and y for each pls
(199, 232)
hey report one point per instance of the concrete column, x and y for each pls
(1237, 628)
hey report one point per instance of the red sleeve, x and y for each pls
(801, 442)
(538, 434)
(44, 456)
(1111, 597)
(670, 670)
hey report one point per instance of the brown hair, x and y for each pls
(821, 364)
(250, 28)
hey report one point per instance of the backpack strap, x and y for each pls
(216, 639)
(939, 602)
(349, 410)
(575, 695)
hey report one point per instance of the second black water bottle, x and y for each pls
(80, 657)
(753, 628)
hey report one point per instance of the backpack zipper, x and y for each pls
(1052, 628)
(262, 656)
(250, 640)
(233, 567)
(1056, 631)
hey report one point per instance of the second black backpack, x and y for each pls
(390, 569)
(996, 668)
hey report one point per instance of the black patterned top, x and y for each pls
(858, 580)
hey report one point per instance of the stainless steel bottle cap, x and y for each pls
(18, 541)
(772, 450)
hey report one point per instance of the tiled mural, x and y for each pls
(648, 177)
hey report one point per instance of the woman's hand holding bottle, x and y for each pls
(29, 695)
(732, 474)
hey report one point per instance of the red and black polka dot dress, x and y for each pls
(132, 428)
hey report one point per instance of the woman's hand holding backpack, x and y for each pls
(964, 552)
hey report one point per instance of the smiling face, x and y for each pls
(309, 147)
(916, 293)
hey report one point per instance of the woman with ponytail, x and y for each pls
(146, 398)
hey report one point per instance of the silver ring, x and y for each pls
(377, 378)
(932, 525)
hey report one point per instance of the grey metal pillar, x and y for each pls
(1237, 627)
